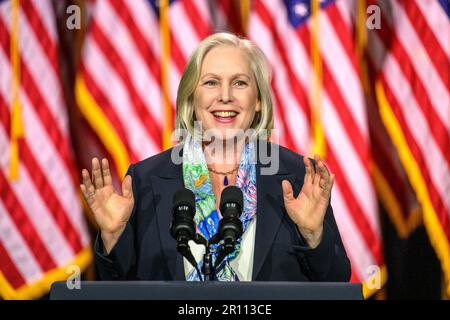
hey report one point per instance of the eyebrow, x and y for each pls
(233, 76)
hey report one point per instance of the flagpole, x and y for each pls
(17, 130)
(165, 58)
(319, 144)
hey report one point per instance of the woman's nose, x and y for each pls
(226, 94)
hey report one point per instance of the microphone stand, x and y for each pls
(208, 268)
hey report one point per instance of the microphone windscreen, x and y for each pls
(184, 197)
(232, 194)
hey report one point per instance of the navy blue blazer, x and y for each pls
(146, 250)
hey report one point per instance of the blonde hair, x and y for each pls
(191, 75)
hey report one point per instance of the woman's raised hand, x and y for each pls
(111, 210)
(308, 210)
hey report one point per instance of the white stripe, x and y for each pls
(18, 250)
(41, 71)
(438, 21)
(419, 128)
(141, 77)
(295, 118)
(355, 173)
(360, 255)
(47, 156)
(418, 56)
(112, 87)
(343, 73)
(184, 34)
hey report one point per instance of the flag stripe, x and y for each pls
(40, 30)
(202, 28)
(19, 251)
(435, 194)
(41, 106)
(8, 267)
(154, 130)
(55, 210)
(434, 159)
(19, 216)
(100, 70)
(435, 52)
(372, 240)
(281, 90)
(138, 74)
(355, 245)
(298, 91)
(110, 113)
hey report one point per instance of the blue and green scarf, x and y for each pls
(196, 178)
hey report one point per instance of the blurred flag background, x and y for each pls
(364, 83)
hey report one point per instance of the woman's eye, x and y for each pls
(240, 83)
(210, 83)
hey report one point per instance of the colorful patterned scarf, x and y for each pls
(196, 178)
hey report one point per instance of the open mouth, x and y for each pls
(224, 116)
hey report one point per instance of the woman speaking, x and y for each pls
(289, 231)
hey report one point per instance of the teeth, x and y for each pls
(224, 114)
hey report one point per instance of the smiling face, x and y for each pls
(226, 97)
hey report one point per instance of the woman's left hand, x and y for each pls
(309, 208)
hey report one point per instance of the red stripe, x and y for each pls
(437, 128)
(9, 270)
(297, 89)
(371, 239)
(437, 55)
(118, 65)
(25, 226)
(40, 106)
(199, 25)
(437, 202)
(41, 33)
(40, 181)
(108, 110)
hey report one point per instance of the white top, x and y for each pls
(242, 264)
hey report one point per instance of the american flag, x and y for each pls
(42, 226)
(284, 30)
(410, 58)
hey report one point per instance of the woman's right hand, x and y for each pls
(111, 210)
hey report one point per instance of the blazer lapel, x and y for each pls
(270, 212)
(164, 186)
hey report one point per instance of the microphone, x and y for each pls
(182, 228)
(230, 226)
